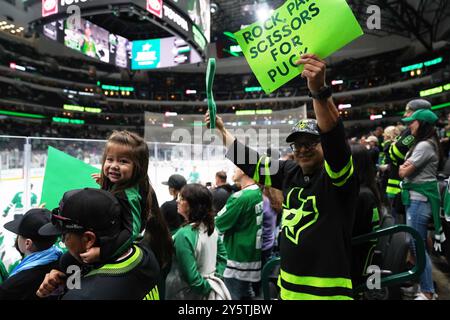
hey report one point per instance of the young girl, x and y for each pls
(124, 173)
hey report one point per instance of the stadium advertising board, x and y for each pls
(162, 53)
(155, 7)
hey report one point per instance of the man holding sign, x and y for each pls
(272, 47)
(320, 190)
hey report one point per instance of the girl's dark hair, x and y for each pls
(157, 233)
(200, 202)
(427, 131)
(365, 168)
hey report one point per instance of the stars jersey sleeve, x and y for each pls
(131, 206)
(261, 168)
(338, 160)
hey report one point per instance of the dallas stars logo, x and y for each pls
(302, 125)
(294, 221)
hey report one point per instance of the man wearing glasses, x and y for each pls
(320, 190)
(86, 218)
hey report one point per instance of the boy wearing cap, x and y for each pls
(39, 255)
(320, 190)
(89, 217)
(169, 208)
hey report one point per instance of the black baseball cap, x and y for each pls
(308, 126)
(85, 209)
(27, 225)
(176, 181)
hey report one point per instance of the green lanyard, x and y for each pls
(210, 73)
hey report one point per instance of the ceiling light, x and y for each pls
(264, 12)
(214, 8)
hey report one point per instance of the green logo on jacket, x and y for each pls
(294, 221)
(408, 140)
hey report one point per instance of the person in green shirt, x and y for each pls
(240, 221)
(420, 191)
(194, 176)
(88, 46)
(17, 201)
(200, 257)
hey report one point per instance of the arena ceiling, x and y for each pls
(427, 21)
(421, 25)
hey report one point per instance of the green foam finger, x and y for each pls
(210, 73)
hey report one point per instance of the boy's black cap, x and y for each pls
(85, 209)
(27, 225)
(176, 181)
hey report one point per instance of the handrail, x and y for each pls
(266, 270)
(412, 274)
(390, 280)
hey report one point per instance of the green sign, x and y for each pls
(253, 112)
(435, 90)
(431, 91)
(116, 88)
(421, 64)
(412, 67)
(67, 120)
(433, 62)
(299, 26)
(64, 173)
(81, 109)
(253, 89)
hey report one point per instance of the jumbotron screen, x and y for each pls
(91, 40)
(188, 19)
(162, 53)
(87, 38)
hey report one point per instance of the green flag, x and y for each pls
(271, 47)
(64, 173)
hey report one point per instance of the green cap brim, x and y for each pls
(408, 119)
